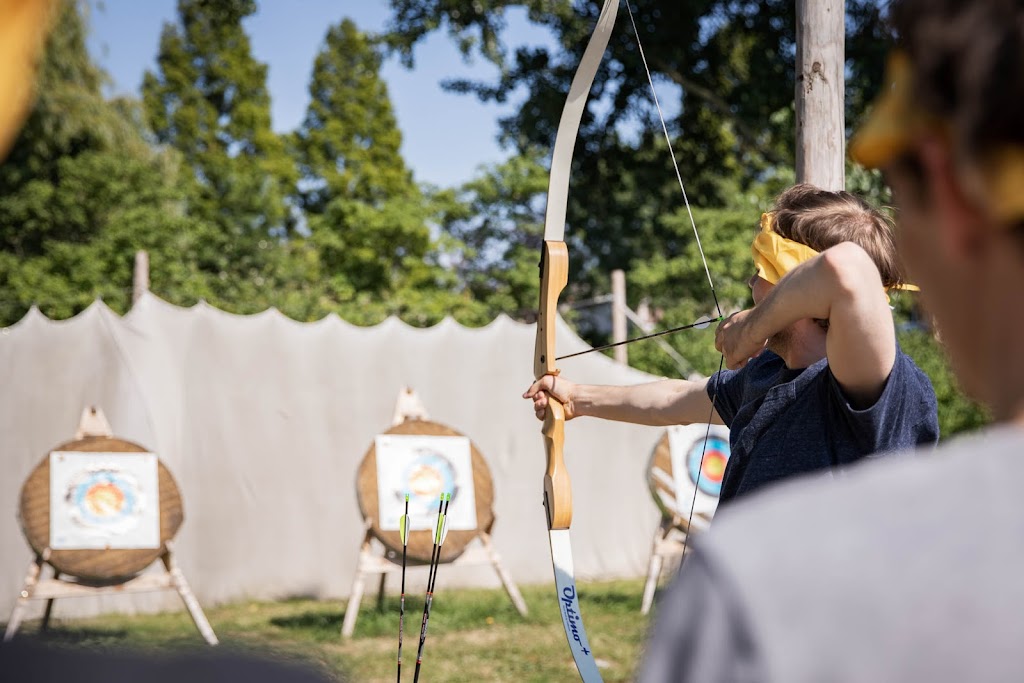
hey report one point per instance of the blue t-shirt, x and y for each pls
(787, 422)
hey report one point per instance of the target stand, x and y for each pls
(672, 477)
(104, 493)
(380, 553)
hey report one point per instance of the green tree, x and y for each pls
(208, 100)
(370, 244)
(82, 190)
(497, 220)
(724, 68)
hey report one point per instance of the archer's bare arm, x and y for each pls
(840, 285)
(663, 403)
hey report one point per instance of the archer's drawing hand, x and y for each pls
(736, 342)
(561, 389)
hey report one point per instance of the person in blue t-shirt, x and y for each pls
(815, 378)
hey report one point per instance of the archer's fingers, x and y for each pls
(545, 383)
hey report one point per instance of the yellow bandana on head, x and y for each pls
(775, 255)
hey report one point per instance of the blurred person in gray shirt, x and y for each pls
(907, 569)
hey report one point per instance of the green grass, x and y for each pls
(474, 635)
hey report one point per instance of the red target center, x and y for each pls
(714, 466)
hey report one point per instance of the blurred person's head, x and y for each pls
(948, 132)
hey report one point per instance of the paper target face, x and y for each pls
(101, 500)
(426, 477)
(706, 464)
(699, 457)
(424, 467)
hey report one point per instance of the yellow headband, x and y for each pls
(775, 255)
(895, 124)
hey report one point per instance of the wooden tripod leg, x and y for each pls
(49, 607)
(27, 589)
(654, 565)
(513, 592)
(355, 597)
(185, 591)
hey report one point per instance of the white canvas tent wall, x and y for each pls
(263, 422)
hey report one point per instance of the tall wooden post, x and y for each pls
(820, 83)
(619, 315)
(140, 276)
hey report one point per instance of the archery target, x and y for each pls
(693, 477)
(99, 500)
(425, 467)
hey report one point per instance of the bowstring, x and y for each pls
(707, 271)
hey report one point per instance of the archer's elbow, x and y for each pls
(851, 271)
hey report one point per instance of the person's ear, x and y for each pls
(960, 222)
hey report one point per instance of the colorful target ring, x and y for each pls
(710, 461)
(427, 477)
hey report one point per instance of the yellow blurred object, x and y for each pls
(895, 123)
(23, 26)
(999, 178)
(775, 255)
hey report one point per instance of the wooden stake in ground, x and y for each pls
(439, 534)
(403, 529)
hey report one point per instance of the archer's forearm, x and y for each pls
(809, 291)
(668, 402)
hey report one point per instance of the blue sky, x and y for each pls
(446, 137)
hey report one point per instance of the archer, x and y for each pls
(815, 378)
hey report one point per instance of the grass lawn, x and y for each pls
(474, 635)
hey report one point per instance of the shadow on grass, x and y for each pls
(310, 621)
(74, 635)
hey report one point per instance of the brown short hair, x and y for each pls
(822, 219)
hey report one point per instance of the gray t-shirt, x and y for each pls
(907, 569)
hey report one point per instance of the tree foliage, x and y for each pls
(82, 189)
(328, 218)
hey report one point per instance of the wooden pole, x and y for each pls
(820, 83)
(140, 276)
(619, 315)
